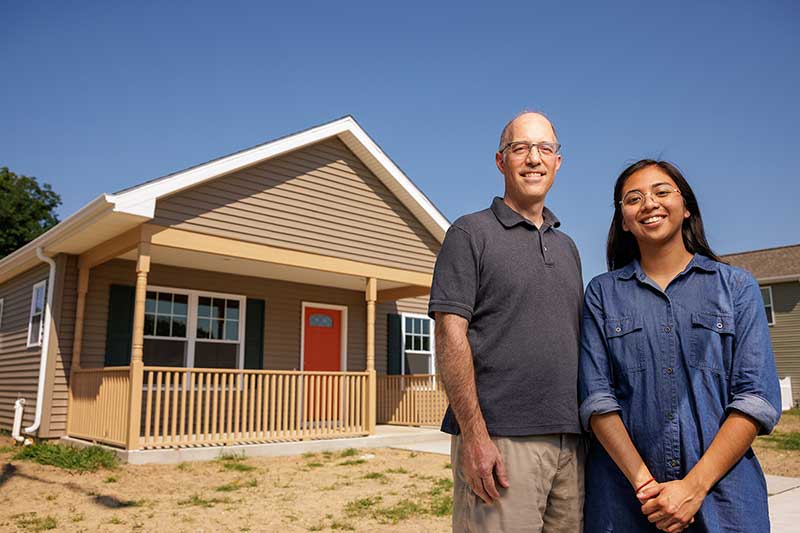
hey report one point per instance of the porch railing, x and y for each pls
(411, 400)
(191, 406)
(98, 408)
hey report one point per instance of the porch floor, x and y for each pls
(386, 436)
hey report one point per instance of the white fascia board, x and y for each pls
(778, 279)
(141, 200)
(63, 229)
(184, 180)
(400, 177)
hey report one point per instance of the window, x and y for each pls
(193, 329)
(418, 355)
(766, 295)
(36, 321)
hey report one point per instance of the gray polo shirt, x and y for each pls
(521, 290)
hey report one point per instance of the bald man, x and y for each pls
(506, 296)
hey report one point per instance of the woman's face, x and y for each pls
(652, 208)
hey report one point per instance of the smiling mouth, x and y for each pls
(652, 220)
(533, 174)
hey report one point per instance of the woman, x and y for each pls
(676, 371)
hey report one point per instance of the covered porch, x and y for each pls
(137, 405)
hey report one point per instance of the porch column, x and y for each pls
(372, 397)
(137, 366)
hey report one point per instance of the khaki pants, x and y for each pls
(545, 493)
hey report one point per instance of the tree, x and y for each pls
(26, 210)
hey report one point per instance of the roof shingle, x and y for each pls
(770, 262)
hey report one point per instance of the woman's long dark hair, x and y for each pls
(622, 248)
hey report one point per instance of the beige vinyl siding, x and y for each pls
(320, 199)
(282, 310)
(786, 332)
(407, 305)
(54, 415)
(19, 365)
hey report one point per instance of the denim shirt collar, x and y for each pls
(510, 218)
(699, 262)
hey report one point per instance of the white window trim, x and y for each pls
(431, 352)
(343, 325)
(2, 306)
(191, 322)
(43, 285)
(771, 305)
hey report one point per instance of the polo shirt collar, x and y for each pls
(698, 262)
(510, 218)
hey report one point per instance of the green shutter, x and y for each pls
(119, 328)
(254, 335)
(394, 349)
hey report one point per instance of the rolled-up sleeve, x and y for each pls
(455, 277)
(595, 378)
(754, 390)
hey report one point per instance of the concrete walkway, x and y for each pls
(784, 492)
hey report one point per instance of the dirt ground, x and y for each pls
(364, 490)
(371, 490)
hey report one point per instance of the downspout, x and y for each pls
(48, 316)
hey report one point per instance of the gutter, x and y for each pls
(779, 279)
(48, 317)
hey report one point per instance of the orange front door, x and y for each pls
(322, 343)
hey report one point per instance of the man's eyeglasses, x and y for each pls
(658, 193)
(521, 149)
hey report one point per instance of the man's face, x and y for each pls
(530, 176)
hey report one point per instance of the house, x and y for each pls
(778, 273)
(263, 296)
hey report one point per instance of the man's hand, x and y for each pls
(671, 506)
(480, 462)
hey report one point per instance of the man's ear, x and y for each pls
(501, 164)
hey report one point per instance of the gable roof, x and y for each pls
(108, 215)
(770, 264)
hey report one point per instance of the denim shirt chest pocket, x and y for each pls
(626, 343)
(712, 337)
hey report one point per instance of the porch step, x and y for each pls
(385, 437)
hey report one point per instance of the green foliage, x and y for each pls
(349, 452)
(784, 441)
(69, 457)
(375, 475)
(402, 510)
(235, 462)
(352, 462)
(198, 501)
(362, 506)
(32, 522)
(26, 210)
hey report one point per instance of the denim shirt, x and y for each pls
(673, 363)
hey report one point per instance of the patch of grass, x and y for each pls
(236, 485)
(784, 441)
(69, 457)
(116, 520)
(375, 475)
(342, 526)
(361, 506)
(352, 462)
(198, 501)
(448, 466)
(234, 462)
(32, 522)
(327, 454)
(397, 471)
(349, 452)
(184, 466)
(309, 455)
(441, 497)
(317, 527)
(77, 517)
(402, 510)
(6, 449)
(111, 479)
(314, 465)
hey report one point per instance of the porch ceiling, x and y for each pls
(245, 267)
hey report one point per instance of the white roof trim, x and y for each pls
(141, 200)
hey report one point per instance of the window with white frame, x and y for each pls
(193, 329)
(766, 295)
(418, 351)
(36, 320)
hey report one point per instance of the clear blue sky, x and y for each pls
(97, 97)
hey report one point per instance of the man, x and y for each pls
(506, 297)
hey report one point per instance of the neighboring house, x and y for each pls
(259, 297)
(778, 273)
